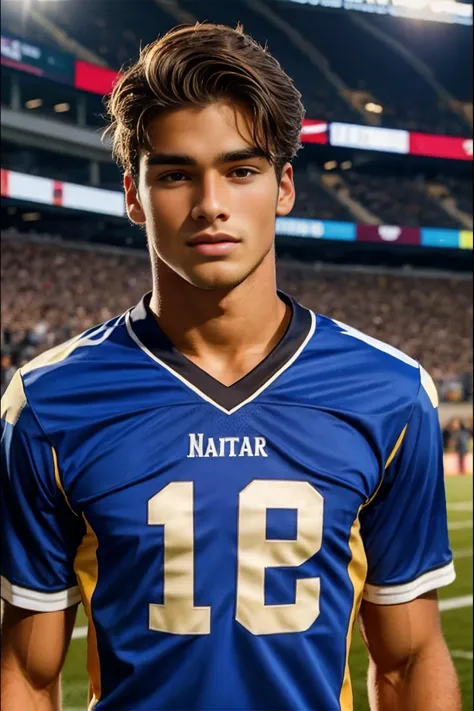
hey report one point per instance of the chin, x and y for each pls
(215, 276)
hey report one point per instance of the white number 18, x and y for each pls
(173, 508)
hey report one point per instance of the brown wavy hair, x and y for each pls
(196, 65)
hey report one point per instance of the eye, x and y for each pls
(175, 177)
(243, 173)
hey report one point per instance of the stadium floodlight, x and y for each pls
(373, 108)
(61, 108)
(33, 103)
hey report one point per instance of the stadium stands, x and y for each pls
(397, 200)
(313, 201)
(461, 190)
(386, 70)
(416, 85)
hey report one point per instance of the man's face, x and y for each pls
(195, 181)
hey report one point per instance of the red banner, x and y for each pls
(58, 189)
(428, 144)
(314, 131)
(4, 183)
(90, 77)
(388, 233)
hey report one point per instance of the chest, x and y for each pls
(228, 511)
(130, 460)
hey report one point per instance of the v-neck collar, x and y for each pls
(151, 338)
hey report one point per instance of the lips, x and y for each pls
(217, 245)
(212, 238)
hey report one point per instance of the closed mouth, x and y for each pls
(216, 238)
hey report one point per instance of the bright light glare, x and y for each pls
(61, 108)
(34, 103)
(330, 165)
(374, 108)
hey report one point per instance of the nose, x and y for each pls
(210, 203)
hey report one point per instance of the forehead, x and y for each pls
(201, 132)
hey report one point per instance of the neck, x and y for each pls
(246, 321)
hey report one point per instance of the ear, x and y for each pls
(286, 191)
(132, 201)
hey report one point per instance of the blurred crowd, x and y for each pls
(51, 293)
(457, 439)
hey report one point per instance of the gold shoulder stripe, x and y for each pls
(14, 400)
(86, 567)
(61, 352)
(57, 477)
(397, 446)
(357, 571)
(54, 355)
(429, 387)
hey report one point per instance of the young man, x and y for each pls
(224, 478)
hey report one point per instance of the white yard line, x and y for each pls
(79, 633)
(462, 553)
(461, 654)
(460, 525)
(455, 603)
(460, 506)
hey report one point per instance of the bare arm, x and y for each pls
(410, 666)
(34, 646)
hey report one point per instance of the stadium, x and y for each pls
(380, 237)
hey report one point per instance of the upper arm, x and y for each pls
(40, 534)
(394, 634)
(34, 644)
(405, 528)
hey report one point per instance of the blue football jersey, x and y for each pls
(221, 538)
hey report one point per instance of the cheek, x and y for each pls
(163, 207)
(260, 200)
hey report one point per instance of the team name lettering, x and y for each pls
(226, 446)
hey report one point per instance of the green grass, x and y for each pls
(457, 624)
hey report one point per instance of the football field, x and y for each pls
(456, 615)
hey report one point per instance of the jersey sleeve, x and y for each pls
(405, 528)
(40, 533)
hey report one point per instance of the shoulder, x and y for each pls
(374, 365)
(66, 369)
(96, 345)
(351, 338)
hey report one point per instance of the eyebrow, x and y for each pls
(183, 159)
